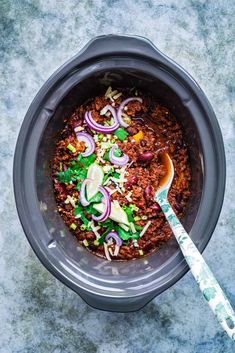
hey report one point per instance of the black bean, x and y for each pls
(143, 143)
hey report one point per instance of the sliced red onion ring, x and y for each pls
(82, 196)
(122, 106)
(85, 137)
(115, 236)
(123, 160)
(107, 210)
(101, 128)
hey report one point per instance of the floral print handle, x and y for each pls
(209, 286)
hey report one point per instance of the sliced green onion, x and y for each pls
(136, 218)
(83, 227)
(144, 218)
(71, 148)
(73, 226)
(96, 242)
(141, 252)
(85, 242)
(133, 207)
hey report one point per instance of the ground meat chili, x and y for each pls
(130, 224)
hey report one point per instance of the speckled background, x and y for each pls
(38, 313)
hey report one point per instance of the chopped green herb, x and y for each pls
(71, 148)
(73, 226)
(129, 212)
(121, 134)
(97, 198)
(65, 176)
(106, 155)
(116, 175)
(138, 227)
(79, 211)
(86, 161)
(85, 242)
(124, 235)
(117, 152)
(61, 167)
(100, 136)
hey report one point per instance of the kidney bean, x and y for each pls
(178, 207)
(143, 143)
(131, 181)
(148, 192)
(145, 157)
(132, 130)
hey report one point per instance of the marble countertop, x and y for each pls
(37, 312)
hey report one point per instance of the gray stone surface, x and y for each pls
(39, 314)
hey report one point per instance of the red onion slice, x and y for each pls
(82, 196)
(122, 106)
(123, 160)
(107, 202)
(101, 128)
(85, 137)
(115, 236)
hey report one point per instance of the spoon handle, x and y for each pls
(208, 285)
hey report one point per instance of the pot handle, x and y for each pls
(116, 44)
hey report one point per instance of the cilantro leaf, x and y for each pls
(129, 212)
(86, 161)
(124, 235)
(96, 198)
(106, 155)
(65, 176)
(79, 211)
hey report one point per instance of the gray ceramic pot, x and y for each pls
(118, 61)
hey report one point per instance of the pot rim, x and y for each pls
(91, 51)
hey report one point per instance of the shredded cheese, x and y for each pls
(70, 200)
(109, 90)
(116, 250)
(78, 128)
(145, 228)
(128, 196)
(135, 243)
(117, 95)
(106, 251)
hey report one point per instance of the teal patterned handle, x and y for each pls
(209, 286)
